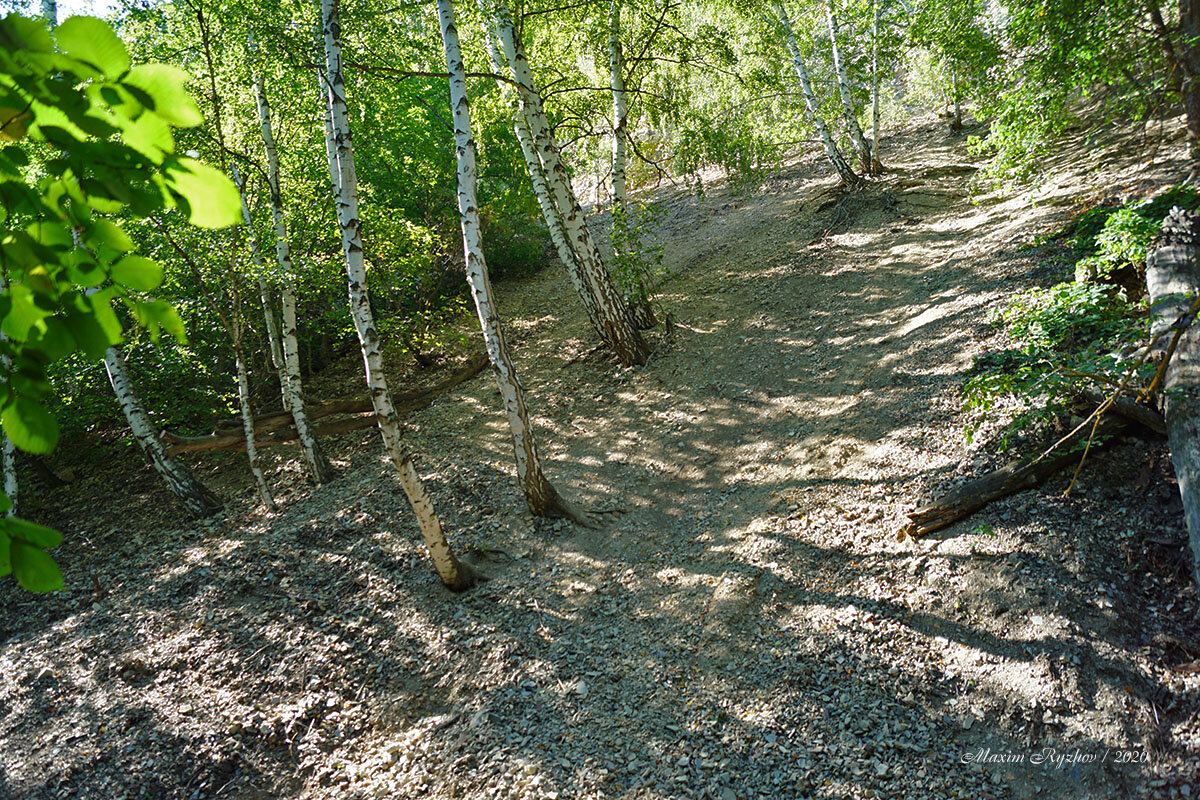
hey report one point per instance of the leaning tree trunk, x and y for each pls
(453, 574)
(1173, 282)
(198, 499)
(540, 495)
(638, 298)
(810, 102)
(293, 386)
(541, 190)
(50, 13)
(843, 82)
(243, 385)
(612, 318)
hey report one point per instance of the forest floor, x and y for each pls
(749, 627)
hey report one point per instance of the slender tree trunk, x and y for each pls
(50, 13)
(541, 190)
(243, 384)
(638, 299)
(179, 479)
(876, 164)
(616, 73)
(1189, 52)
(843, 82)
(276, 353)
(540, 495)
(11, 485)
(293, 386)
(810, 101)
(453, 574)
(1159, 25)
(612, 318)
(957, 123)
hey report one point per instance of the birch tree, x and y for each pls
(541, 189)
(540, 495)
(455, 575)
(293, 387)
(876, 165)
(236, 330)
(639, 305)
(196, 497)
(832, 153)
(843, 83)
(607, 309)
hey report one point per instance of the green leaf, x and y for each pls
(150, 135)
(212, 199)
(5, 553)
(34, 534)
(5, 502)
(166, 86)
(138, 273)
(33, 567)
(156, 314)
(105, 317)
(93, 41)
(23, 314)
(30, 426)
(110, 234)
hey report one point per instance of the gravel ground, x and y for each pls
(749, 626)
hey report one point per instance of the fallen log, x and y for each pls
(1009, 479)
(277, 428)
(1128, 408)
(1173, 284)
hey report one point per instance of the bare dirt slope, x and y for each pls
(748, 627)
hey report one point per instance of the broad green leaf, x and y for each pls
(93, 41)
(156, 314)
(107, 320)
(31, 532)
(212, 199)
(5, 549)
(150, 135)
(166, 86)
(108, 233)
(23, 313)
(30, 426)
(5, 502)
(33, 567)
(138, 273)
(88, 334)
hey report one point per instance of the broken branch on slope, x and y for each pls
(1009, 479)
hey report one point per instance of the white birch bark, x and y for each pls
(293, 386)
(50, 13)
(453, 574)
(843, 82)
(613, 319)
(179, 479)
(243, 384)
(616, 76)
(264, 289)
(541, 191)
(540, 496)
(810, 101)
